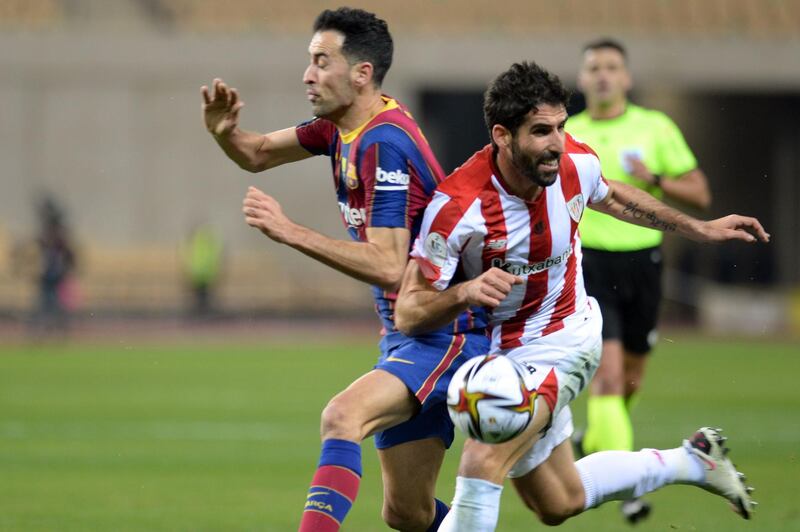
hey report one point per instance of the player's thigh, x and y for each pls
(375, 401)
(640, 317)
(602, 280)
(409, 473)
(553, 489)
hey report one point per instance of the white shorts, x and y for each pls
(574, 354)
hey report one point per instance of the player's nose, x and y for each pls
(309, 76)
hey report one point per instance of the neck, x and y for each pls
(362, 110)
(605, 111)
(518, 184)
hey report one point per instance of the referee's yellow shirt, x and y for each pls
(650, 136)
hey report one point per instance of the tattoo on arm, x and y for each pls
(633, 210)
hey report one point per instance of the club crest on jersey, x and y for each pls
(575, 207)
(436, 249)
(351, 179)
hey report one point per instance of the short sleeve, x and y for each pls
(316, 136)
(599, 189)
(386, 177)
(442, 236)
(674, 155)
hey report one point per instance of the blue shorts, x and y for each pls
(425, 364)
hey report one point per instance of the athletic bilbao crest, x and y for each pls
(575, 207)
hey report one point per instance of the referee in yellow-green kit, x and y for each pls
(622, 262)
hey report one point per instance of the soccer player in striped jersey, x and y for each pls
(508, 219)
(384, 174)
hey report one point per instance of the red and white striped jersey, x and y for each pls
(474, 222)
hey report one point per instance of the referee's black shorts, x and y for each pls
(627, 284)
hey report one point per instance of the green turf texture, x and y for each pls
(226, 437)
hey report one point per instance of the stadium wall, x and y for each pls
(110, 122)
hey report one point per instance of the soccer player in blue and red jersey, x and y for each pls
(384, 174)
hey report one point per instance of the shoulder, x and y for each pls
(393, 125)
(653, 117)
(467, 181)
(574, 146)
(583, 156)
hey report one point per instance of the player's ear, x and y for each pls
(362, 74)
(628, 81)
(501, 136)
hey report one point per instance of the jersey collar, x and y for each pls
(389, 104)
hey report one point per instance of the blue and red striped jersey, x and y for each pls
(384, 174)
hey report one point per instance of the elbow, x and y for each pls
(390, 279)
(404, 323)
(251, 166)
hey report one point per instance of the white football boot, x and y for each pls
(721, 476)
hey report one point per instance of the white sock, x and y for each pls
(619, 475)
(475, 507)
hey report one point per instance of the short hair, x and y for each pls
(366, 37)
(517, 91)
(606, 42)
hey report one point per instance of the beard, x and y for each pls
(529, 166)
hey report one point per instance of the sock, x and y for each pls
(608, 425)
(334, 487)
(631, 401)
(619, 475)
(441, 512)
(475, 507)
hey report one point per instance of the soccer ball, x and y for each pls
(488, 400)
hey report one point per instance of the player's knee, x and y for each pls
(483, 461)
(339, 421)
(399, 516)
(632, 386)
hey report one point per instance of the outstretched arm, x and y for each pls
(636, 206)
(422, 308)
(379, 261)
(253, 152)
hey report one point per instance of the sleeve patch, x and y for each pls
(436, 249)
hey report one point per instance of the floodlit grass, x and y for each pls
(226, 438)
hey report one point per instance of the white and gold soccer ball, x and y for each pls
(488, 400)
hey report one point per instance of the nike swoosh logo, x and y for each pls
(395, 359)
(314, 494)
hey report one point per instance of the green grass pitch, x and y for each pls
(225, 437)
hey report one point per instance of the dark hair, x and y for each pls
(519, 90)
(605, 42)
(366, 37)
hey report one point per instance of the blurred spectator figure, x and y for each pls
(201, 255)
(56, 258)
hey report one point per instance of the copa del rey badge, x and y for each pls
(575, 207)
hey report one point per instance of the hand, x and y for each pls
(265, 214)
(733, 227)
(639, 170)
(490, 288)
(221, 110)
